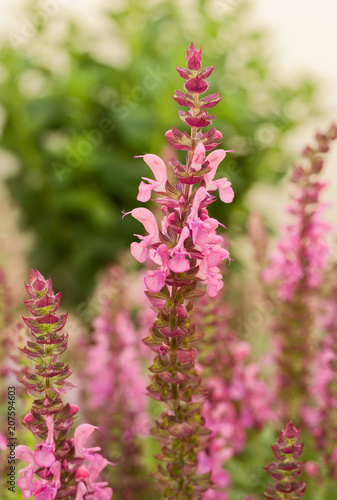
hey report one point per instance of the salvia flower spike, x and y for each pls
(286, 469)
(297, 268)
(237, 398)
(185, 250)
(59, 467)
(115, 395)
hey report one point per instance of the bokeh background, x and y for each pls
(86, 85)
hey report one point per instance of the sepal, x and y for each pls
(183, 99)
(179, 140)
(210, 100)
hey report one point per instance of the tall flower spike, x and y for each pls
(322, 419)
(297, 268)
(286, 470)
(237, 399)
(187, 250)
(59, 467)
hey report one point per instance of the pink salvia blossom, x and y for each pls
(296, 269)
(184, 249)
(158, 168)
(301, 254)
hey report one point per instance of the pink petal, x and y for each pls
(162, 252)
(44, 457)
(26, 481)
(199, 234)
(81, 434)
(144, 193)
(214, 159)
(155, 280)
(179, 263)
(45, 492)
(217, 254)
(23, 452)
(214, 284)
(139, 251)
(225, 190)
(82, 473)
(55, 469)
(148, 220)
(97, 464)
(199, 155)
(158, 168)
(102, 493)
(81, 491)
(198, 198)
(183, 236)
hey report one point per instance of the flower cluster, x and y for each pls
(59, 467)
(187, 250)
(286, 470)
(187, 234)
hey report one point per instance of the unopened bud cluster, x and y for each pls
(286, 470)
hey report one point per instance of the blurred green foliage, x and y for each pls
(80, 104)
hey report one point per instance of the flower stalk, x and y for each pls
(297, 268)
(59, 467)
(188, 251)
